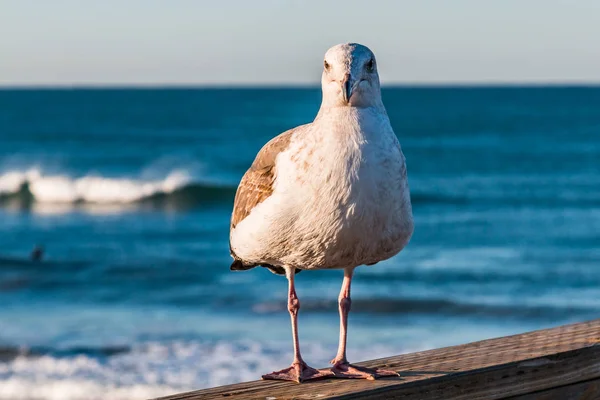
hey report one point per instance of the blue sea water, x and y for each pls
(129, 191)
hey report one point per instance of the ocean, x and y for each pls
(129, 191)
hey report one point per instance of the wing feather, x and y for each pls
(257, 183)
(255, 187)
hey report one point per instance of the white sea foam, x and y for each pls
(11, 182)
(154, 369)
(90, 188)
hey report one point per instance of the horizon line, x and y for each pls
(267, 85)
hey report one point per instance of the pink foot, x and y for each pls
(298, 372)
(342, 369)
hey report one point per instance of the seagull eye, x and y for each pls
(370, 65)
(326, 65)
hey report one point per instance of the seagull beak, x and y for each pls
(347, 87)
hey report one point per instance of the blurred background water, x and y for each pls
(130, 194)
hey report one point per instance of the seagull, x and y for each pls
(331, 194)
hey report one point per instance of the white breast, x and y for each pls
(340, 198)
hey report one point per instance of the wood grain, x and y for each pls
(511, 367)
(589, 390)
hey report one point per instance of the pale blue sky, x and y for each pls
(279, 41)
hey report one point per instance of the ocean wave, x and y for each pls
(150, 370)
(178, 188)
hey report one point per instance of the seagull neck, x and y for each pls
(348, 113)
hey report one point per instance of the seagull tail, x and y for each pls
(238, 265)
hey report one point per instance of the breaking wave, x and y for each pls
(177, 188)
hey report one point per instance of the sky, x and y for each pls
(256, 42)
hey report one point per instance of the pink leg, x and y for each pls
(299, 371)
(341, 368)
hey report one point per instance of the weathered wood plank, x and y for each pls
(490, 369)
(589, 390)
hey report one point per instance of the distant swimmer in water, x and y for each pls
(37, 253)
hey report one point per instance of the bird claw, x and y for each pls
(298, 372)
(349, 371)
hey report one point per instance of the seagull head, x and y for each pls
(350, 77)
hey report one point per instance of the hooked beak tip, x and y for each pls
(347, 86)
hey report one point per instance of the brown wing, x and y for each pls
(257, 182)
(256, 186)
